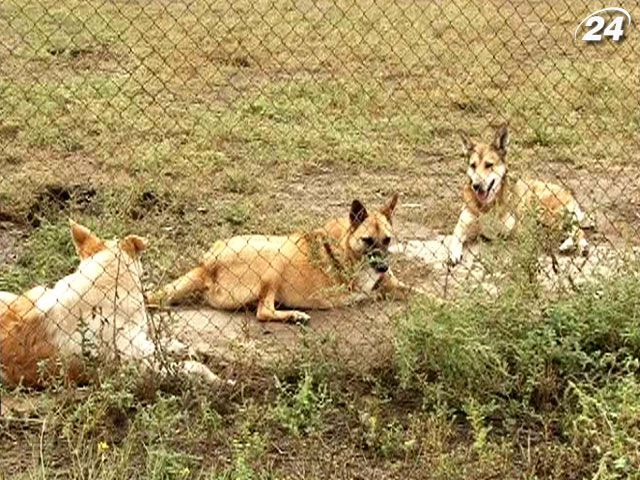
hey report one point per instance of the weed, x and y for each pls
(169, 465)
(515, 357)
(300, 408)
(47, 255)
(239, 181)
(237, 214)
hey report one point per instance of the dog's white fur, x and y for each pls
(99, 309)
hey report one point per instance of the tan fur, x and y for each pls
(490, 191)
(5, 299)
(321, 269)
(98, 309)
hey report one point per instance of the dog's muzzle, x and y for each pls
(482, 194)
(378, 261)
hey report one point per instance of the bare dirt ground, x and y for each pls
(9, 242)
(358, 335)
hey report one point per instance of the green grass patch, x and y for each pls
(516, 359)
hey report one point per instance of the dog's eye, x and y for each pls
(368, 241)
(473, 165)
(488, 165)
(386, 241)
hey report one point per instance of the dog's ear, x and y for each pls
(467, 144)
(501, 139)
(133, 245)
(389, 207)
(358, 213)
(85, 241)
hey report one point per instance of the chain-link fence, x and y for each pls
(189, 123)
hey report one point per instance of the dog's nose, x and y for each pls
(382, 267)
(477, 187)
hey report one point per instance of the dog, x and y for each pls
(490, 191)
(98, 309)
(5, 299)
(340, 263)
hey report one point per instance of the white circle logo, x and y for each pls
(599, 29)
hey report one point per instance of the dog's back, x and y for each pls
(97, 305)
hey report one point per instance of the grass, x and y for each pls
(193, 121)
(523, 364)
(516, 386)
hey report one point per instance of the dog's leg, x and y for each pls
(392, 285)
(193, 281)
(583, 244)
(461, 235)
(140, 346)
(576, 235)
(267, 310)
(580, 221)
(200, 370)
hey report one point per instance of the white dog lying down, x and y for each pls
(98, 309)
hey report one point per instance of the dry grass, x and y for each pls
(252, 115)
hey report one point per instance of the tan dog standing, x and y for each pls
(97, 309)
(490, 191)
(329, 267)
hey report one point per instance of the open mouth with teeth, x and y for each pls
(483, 194)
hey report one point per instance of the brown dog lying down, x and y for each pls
(99, 307)
(332, 266)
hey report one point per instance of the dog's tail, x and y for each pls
(193, 281)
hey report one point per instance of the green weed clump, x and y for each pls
(47, 254)
(300, 407)
(519, 359)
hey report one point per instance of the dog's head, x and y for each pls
(486, 166)
(371, 232)
(88, 244)
(109, 274)
(102, 256)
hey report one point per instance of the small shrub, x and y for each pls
(239, 181)
(237, 214)
(299, 409)
(163, 464)
(520, 357)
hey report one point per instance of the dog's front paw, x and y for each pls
(583, 247)
(201, 371)
(455, 252)
(567, 246)
(177, 348)
(154, 300)
(300, 317)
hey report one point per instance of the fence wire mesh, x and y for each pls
(191, 122)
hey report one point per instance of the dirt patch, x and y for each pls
(359, 334)
(10, 233)
(151, 203)
(560, 272)
(54, 198)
